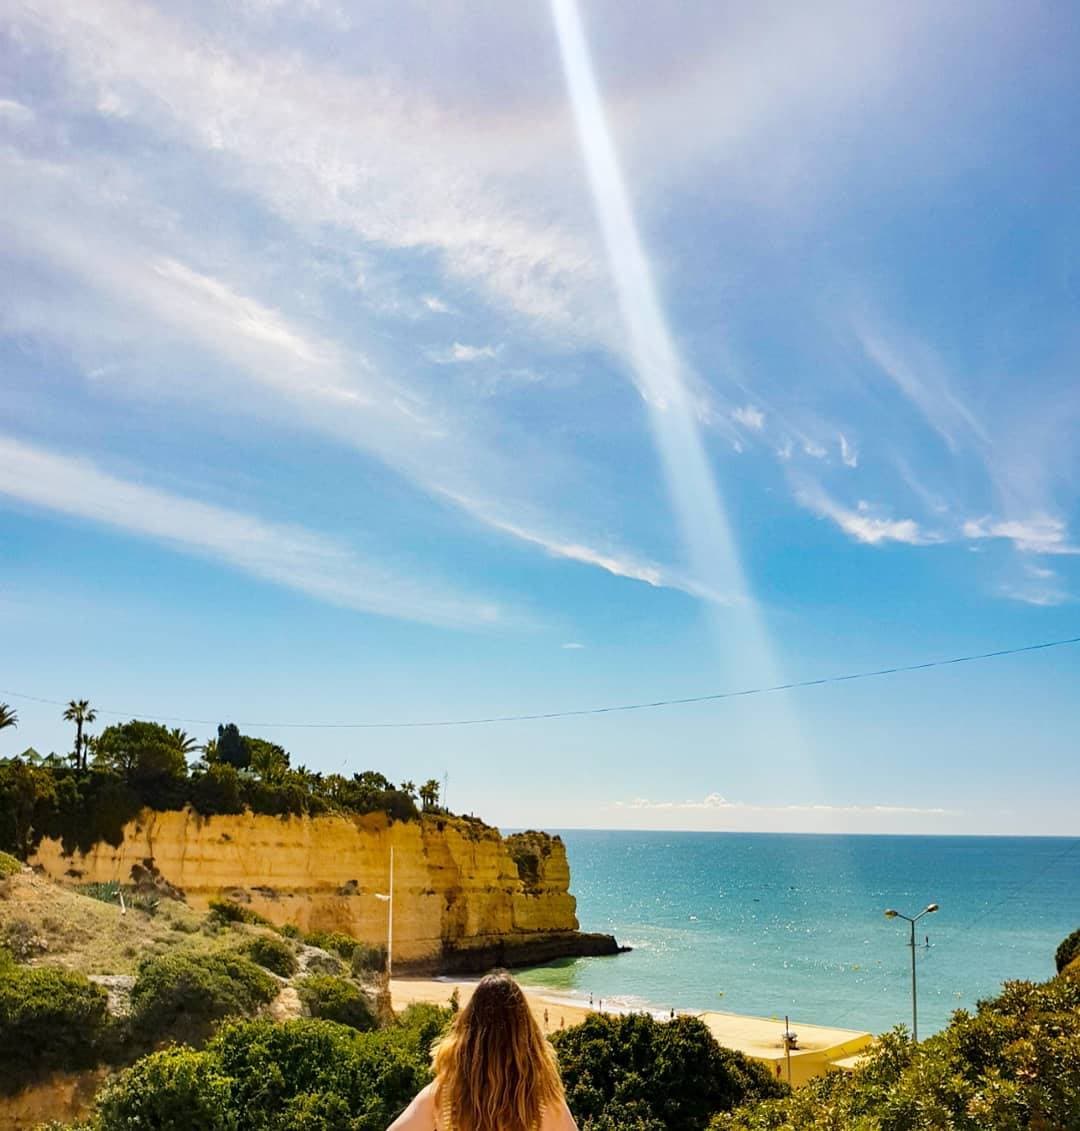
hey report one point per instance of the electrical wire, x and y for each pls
(651, 705)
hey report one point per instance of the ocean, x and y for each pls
(773, 924)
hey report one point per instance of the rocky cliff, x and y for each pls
(465, 897)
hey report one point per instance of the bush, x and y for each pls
(176, 1089)
(367, 959)
(22, 940)
(1068, 951)
(334, 941)
(49, 1018)
(273, 954)
(226, 911)
(183, 994)
(337, 999)
(636, 1072)
(8, 865)
(318, 1075)
(1013, 1064)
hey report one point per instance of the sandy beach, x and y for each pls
(818, 1047)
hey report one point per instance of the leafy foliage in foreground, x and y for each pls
(272, 953)
(49, 1017)
(337, 999)
(1014, 1063)
(261, 1076)
(1068, 951)
(182, 995)
(633, 1073)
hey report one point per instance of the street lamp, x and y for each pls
(891, 914)
(388, 899)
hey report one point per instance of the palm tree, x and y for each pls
(184, 742)
(429, 794)
(8, 718)
(409, 787)
(80, 712)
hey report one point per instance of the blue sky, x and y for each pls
(409, 361)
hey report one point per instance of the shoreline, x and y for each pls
(819, 1048)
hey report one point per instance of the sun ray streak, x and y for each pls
(660, 373)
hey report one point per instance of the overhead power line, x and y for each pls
(650, 705)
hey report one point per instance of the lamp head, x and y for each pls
(931, 907)
(891, 914)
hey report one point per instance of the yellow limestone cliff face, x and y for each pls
(458, 887)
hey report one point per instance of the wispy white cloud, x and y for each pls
(848, 454)
(15, 112)
(284, 554)
(435, 304)
(864, 523)
(716, 802)
(382, 162)
(461, 353)
(750, 417)
(1040, 534)
(814, 450)
(920, 375)
(573, 646)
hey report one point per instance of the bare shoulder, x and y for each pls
(558, 1118)
(419, 1115)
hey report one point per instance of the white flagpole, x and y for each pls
(390, 924)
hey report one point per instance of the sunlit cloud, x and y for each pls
(1040, 534)
(848, 455)
(749, 417)
(460, 353)
(716, 802)
(864, 522)
(284, 554)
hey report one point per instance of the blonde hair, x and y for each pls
(494, 1069)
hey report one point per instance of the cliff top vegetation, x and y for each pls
(88, 796)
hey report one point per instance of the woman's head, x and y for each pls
(494, 1065)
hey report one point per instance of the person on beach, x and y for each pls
(494, 1070)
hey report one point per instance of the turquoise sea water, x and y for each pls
(773, 924)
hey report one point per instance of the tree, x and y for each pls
(8, 718)
(268, 760)
(635, 1072)
(429, 794)
(184, 742)
(146, 756)
(409, 789)
(80, 713)
(27, 801)
(232, 747)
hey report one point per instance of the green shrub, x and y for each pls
(1013, 1064)
(291, 931)
(183, 994)
(227, 911)
(336, 999)
(317, 1075)
(49, 1018)
(1068, 950)
(367, 959)
(8, 865)
(272, 953)
(177, 1089)
(636, 1072)
(335, 941)
(106, 892)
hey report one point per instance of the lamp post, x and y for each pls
(891, 914)
(389, 901)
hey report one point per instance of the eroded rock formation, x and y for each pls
(465, 898)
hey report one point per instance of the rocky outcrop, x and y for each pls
(465, 898)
